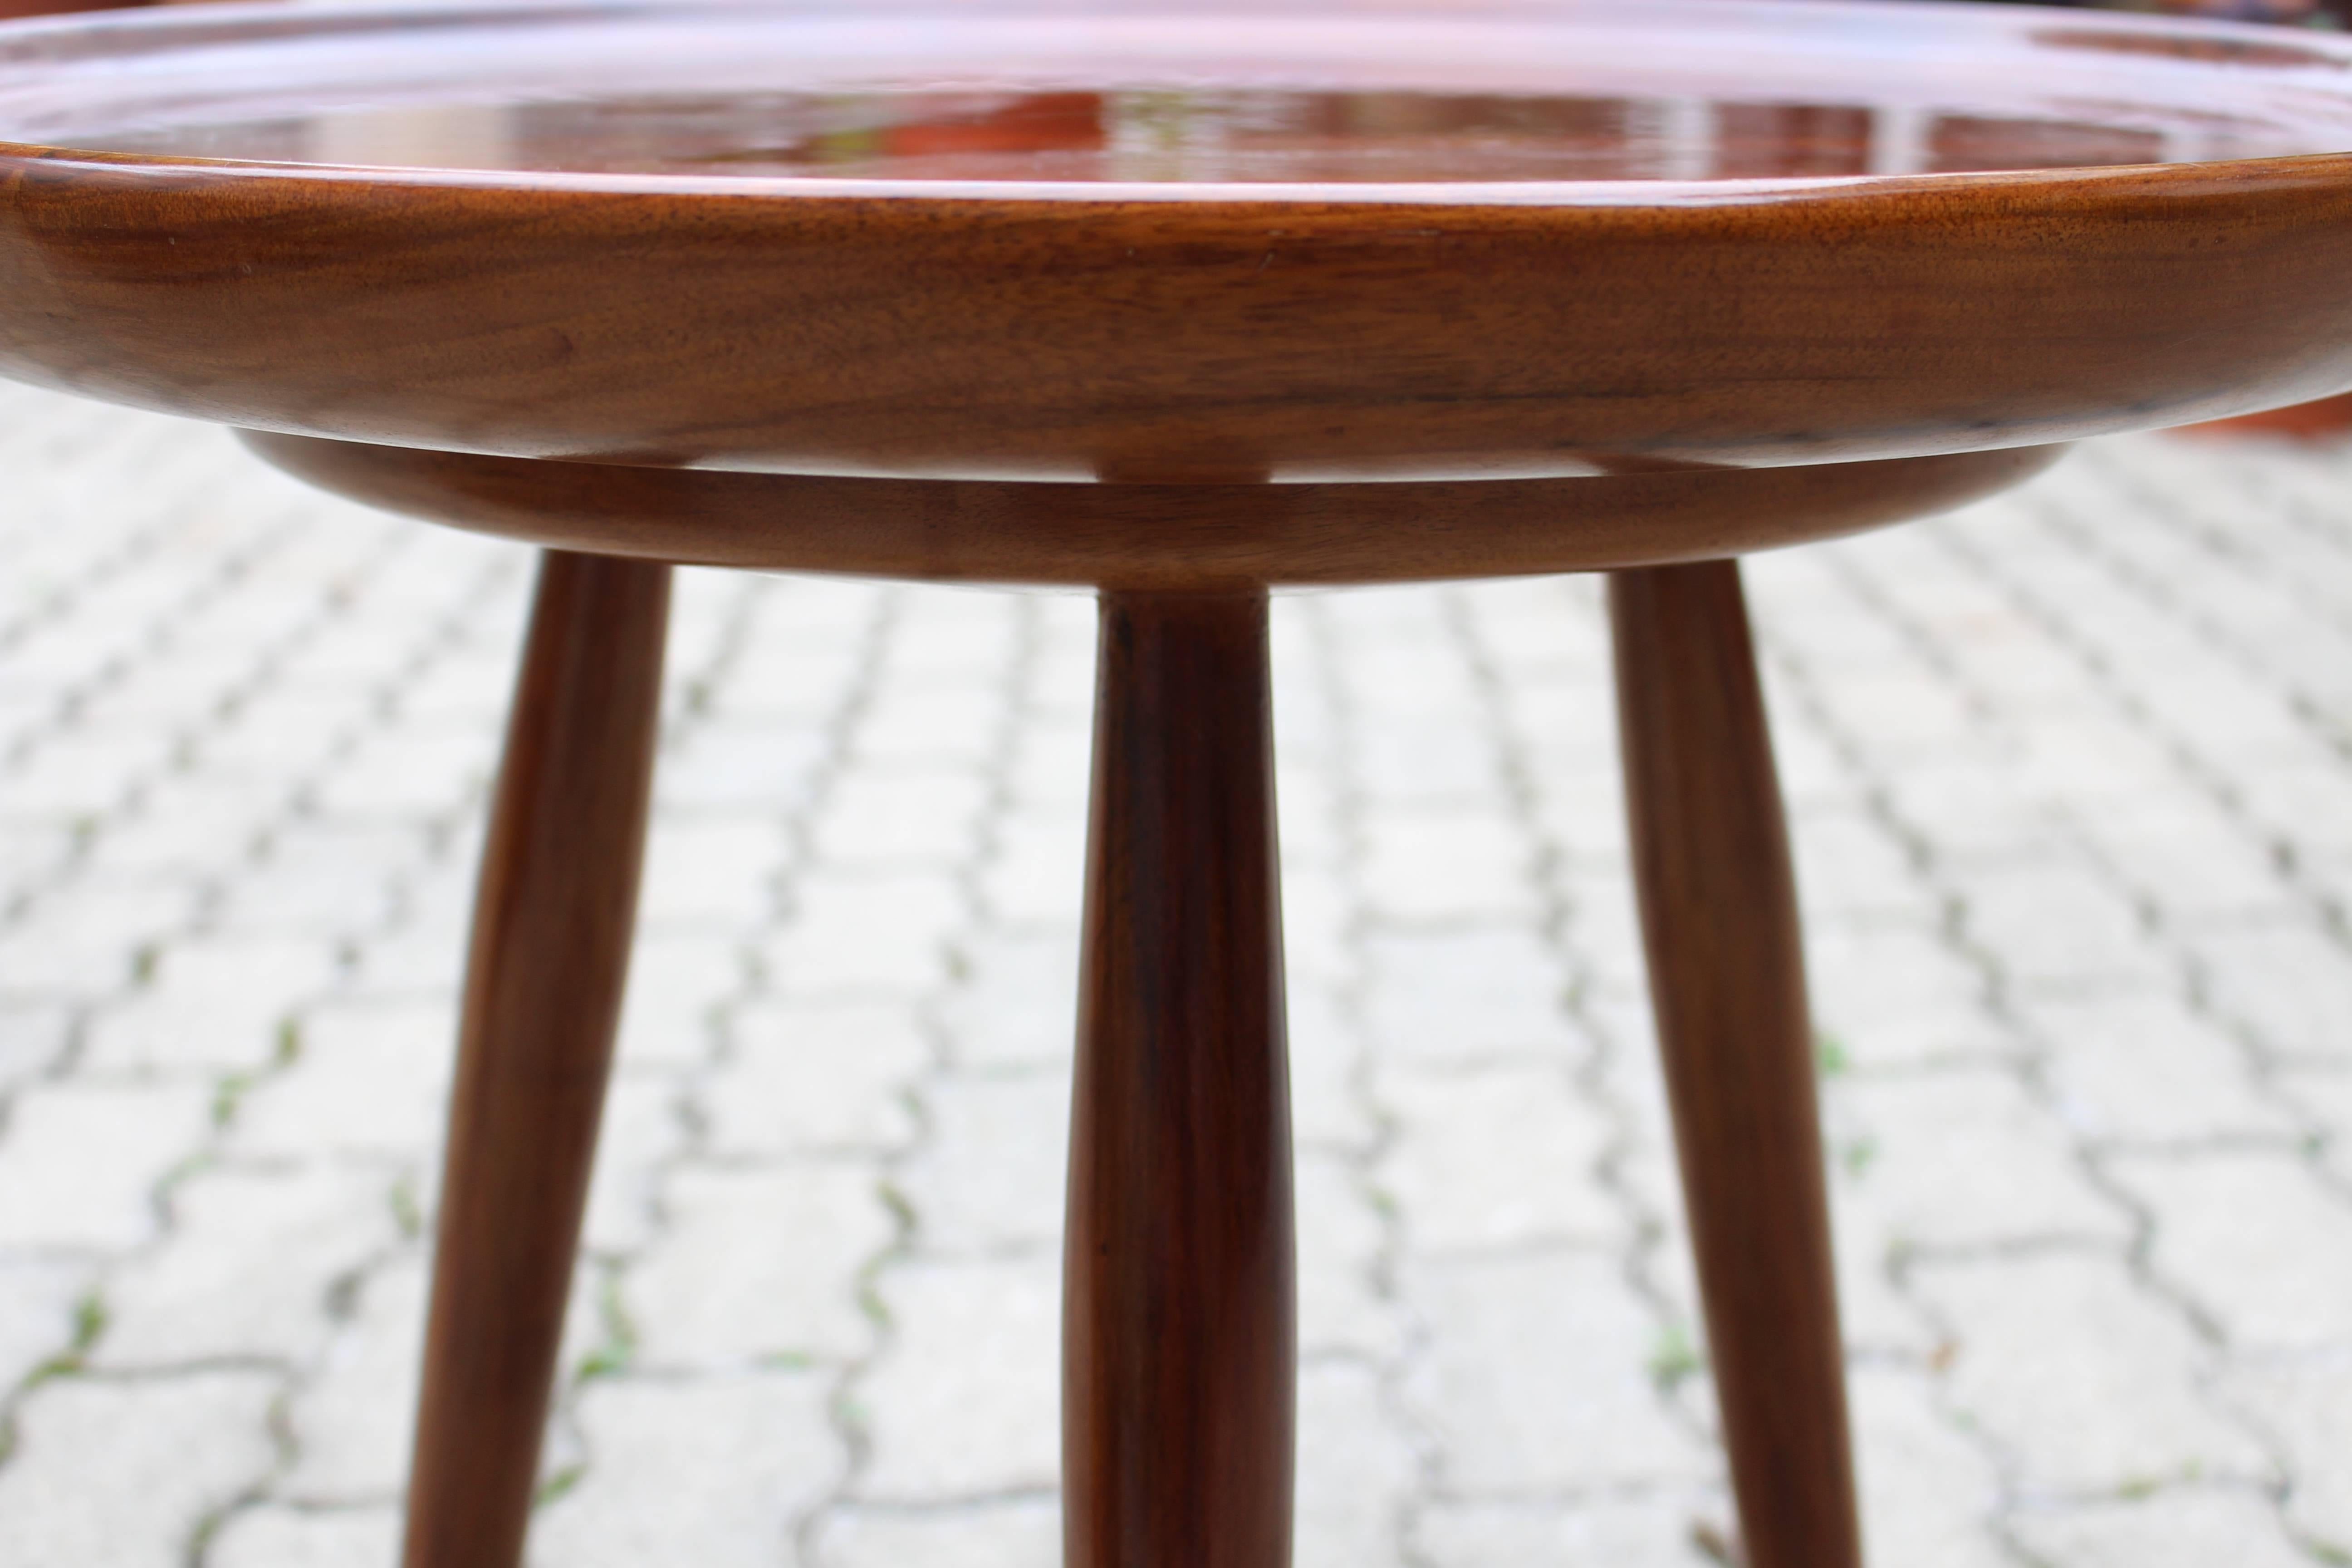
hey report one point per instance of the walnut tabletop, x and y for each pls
(1183, 303)
(1333, 239)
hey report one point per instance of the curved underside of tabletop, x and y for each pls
(1147, 536)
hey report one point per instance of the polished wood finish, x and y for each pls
(1080, 291)
(1727, 982)
(11, 10)
(1942, 253)
(551, 949)
(2327, 419)
(1148, 536)
(1179, 1329)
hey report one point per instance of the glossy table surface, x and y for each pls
(1339, 239)
(1435, 102)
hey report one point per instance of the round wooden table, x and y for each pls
(1182, 303)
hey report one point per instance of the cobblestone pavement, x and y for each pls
(2071, 777)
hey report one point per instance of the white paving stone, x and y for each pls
(353, 1418)
(1443, 759)
(710, 1471)
(340, 881)
(2305, 1404)
(1036, 874)
(644, 1128)
(1928, 1493)
(1871, 1312)
(1908, 713)
(1850, 866)
(34, 1038)
(1440, 863)
(2091, 1383)
(817, 1075)
(307, 1538)
(1963, 1158)
(1472, 991)
(1896, 996)
(2193, 862)
(38, 1302)
(1580, 809)
(1327, 1107)
(2326, 1101)
(758, 1264)
(2289, 985)
(1318, 925)
(1977, 813)
(771, 766)
(175, 1450)
(1605, 928)
(1018, 1003)
(1648, 1532)
(1516, 1402)
(81, 1163)
(2257, 1239)
(2052, 924)
(912, 724)
(87, 937)
(2186, 1529)
(1024, 1532)
(188, 824)
(858, 931)
(889, 817)
(1343, 1302)
(248, 1267)
(992, 1171)
(367, 1079)
(965, 1403)
(82, 772)
(1499, 1156)
(213, 1004)
(715, 868)
(1357, 1470)
(2145, 1070)
(677, 981)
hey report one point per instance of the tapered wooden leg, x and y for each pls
(1178, 1361)
(551, 949)
(1726, 978)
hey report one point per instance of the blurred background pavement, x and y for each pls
(2072, 781)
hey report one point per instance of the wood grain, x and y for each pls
(1726, 978)
(1148, 536)
(1180, 1337)
(1456, 372)
(1196, 330)
(543, 982)
(1414, 344)
(11, 10)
